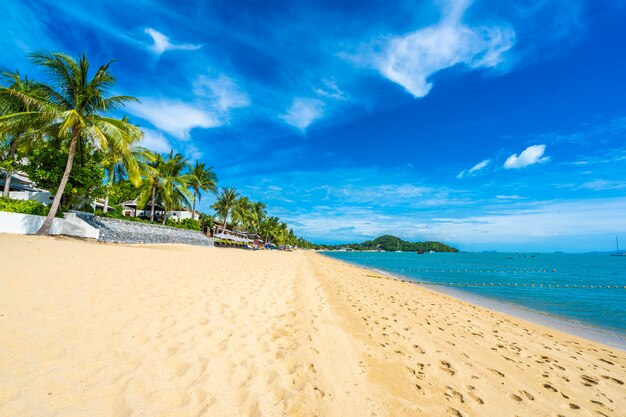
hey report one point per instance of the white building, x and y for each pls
(22, 188)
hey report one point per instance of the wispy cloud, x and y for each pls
(221, 91)
(529, 156)
(410, 60)
(302, 112)
(155, 141)
(537, 225)
(161, 43)
(601, 185)
(174, 116)
(479, 166)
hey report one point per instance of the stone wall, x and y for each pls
(122, 231)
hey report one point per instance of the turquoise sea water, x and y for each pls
(600, 308)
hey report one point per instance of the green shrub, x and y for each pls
(117, 215)
(24, 207)
(189, 224)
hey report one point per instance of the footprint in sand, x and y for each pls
(550, 387)
(496, 372)
(446, 367)
(617, 381)
(589, 381)
(454, 412)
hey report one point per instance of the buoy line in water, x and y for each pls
(477, 271)
(523, 285)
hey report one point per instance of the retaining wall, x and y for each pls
(123, 231)
(29, 224)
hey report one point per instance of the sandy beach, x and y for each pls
(90, 329)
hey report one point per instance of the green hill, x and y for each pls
(391, 243)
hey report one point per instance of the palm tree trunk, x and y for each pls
(106, 197)
(47, 224)
(164, 215)
(224, 225)
(193, 209)
(9, 173)
(152, 206)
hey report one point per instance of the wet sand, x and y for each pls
(113, 330)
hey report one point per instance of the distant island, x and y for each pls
(390, 243)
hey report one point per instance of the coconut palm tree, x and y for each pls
(151, 174)
(226, 201)
(123, 163)
(257, 215)
(16, 131)
(270, 228)
(173, 190)
(200, 179)
(164, 183)
(242, 212)
(76, 107)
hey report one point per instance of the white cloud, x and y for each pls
(603, 185)
(222, 92)
(509, 197)
(174, 117)
(530, 156)
(303, 112)
(331, 90)
(411, 59)
(555, 225)
(161, 43)
(155, 141)
(479, 166)
(475, 168)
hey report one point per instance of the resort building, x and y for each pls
(239, 236)
(130, 209)
(22, 188)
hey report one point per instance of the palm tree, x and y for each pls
(200, 179)
(152, 171)
(124, 163)
(164, 183)
(242, 212)
(257, 215)
(17, 130)
(226, 201)
(173, 190)
(270, 227)
(75, 107)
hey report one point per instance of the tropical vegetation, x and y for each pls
(69, 135)
(24, 207)
(390, 243)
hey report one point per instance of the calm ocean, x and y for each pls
(594, 309)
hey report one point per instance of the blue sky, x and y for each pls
(484, 124)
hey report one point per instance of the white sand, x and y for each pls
(89, 329)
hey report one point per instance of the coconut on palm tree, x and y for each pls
(226, 201)
(200, 179)
(76, 107)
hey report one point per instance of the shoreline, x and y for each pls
(171, 331)
(552, 321)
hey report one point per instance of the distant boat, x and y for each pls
(617, 252)
(420, 252)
